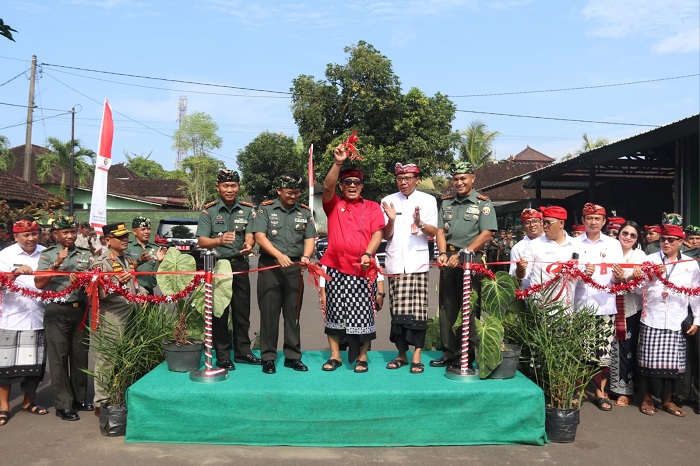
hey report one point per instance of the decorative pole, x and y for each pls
(208, 374)
(464, 373)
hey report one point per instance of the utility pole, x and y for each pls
(71, 196)
(30, 111)
(181, 112)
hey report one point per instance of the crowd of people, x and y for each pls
(652, 347)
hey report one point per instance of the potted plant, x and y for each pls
(129, 355)
(560, 345)
(183, 351)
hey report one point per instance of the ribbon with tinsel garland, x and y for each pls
(44, 295)
(349, 145)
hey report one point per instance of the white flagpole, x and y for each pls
(98, 205)
(311, 179)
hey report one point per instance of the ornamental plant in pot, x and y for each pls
(183, 351)
(128, 355)
(560, 345)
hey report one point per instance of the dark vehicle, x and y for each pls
(180, 233)
(322, 245)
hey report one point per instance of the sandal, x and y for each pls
(35, 409)
(4, 417)
(361, 366)
(603, 404)
(331, 365)
(672, 408)
(417, 367)
(396, 363)
(622, 400)
(647, 407)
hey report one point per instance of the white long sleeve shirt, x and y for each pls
(19, 312)
(604, 250)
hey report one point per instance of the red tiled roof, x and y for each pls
(15, 189)
(531, 155)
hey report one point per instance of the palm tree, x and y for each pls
(477, 143)
(59, 157)
(7, 158)
(588, 144)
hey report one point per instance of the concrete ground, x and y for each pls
(622, 436)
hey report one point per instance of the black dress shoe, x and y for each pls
(226, 364)
(296, 364)
(67, 414)
(248, 359)
(442, 362)
(83, 406)
(268, 367)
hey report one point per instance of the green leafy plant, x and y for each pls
(131, 353)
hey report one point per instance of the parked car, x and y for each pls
(322, 245)
(180, 233)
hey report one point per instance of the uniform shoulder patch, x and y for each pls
(245, 203)
(482, 197)
(304, 206)
(271, 201)
(209, 204)
(448, 196)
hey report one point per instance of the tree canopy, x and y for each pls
(6, 30)
(364, 94)
(58, 157)
(477, 143)
(197, 135)
(144, 167)
(199, 174)
(7, 158)
(265, 158)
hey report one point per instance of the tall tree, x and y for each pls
(144, 167)
(477, 143)
(199, 174)
(589, 144)
(7, 158)
(364, 94)
(264, 159)
(197, 135)
(58, 158)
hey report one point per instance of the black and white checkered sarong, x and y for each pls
(22, 353)
(661, 352)
(409, 299)
(349, 303)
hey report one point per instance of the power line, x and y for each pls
(12, 79)
(576, 88)
(166, 79)
(35, 120)
(558, 119)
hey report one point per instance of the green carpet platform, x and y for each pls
(335, 409)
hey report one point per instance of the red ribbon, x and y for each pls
(349, 145)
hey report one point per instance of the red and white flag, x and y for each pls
(311, 179)
(98, 206)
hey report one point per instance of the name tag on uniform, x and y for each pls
(473, 210)
(300, 220)
(240, 220)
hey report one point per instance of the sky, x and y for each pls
(540, 72)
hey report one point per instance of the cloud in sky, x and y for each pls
(672, 25)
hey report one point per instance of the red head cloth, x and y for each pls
(653, 228)
(615, 223)
(408, 168)
(554, 212)
(672, 230)
(23, 226)
(579, 228)
(593, 209)
(354, 172)
(527, 214)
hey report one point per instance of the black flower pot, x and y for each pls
(509, 366)
(183, 358)
(560, 424)
(113, 420)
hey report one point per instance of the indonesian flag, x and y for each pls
(311, 179)
(98, 206)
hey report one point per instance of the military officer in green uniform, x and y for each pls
(227, 226)
(465, 221)
(504, 253)
(143, 253)
(491, 248)
(66, 343)
(285, 231)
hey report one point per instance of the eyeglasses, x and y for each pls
(349, 182)
(549, 223)
(528, 223)
(667, 239)
(401, 179)
(627, 233)
(291, 193)
(120, 238)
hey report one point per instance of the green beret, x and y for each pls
(691, 230)
(141, 222)
(672, 219)
(461, 168)
(63, 222)
(227, 176)
(288, 180)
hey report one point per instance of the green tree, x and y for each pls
(364, 94)
(588, 144)
(199, 174)
(477, 143)
(6, 30)
(7, 158)
(197, 135)
(144, 167)
(58, 158)
(265, 158)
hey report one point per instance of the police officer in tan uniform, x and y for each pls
(465, 222)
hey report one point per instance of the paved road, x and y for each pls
(622, 436)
